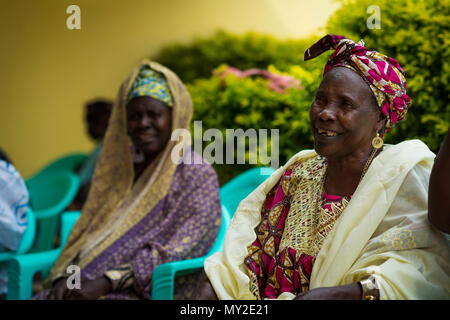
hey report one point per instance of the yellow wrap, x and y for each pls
(384, 232)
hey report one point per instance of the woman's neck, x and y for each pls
(140, 167)
(344, 174)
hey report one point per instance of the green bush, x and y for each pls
(416, 33)
(251, 50)
(246, 103)
(231, 102)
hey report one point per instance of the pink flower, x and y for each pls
(276, 82)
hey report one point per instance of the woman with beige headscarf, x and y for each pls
(145, 207)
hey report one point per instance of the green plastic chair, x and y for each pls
(68, 162)
(238, 188)
(50, 194)
(163, 278)
(22, 267)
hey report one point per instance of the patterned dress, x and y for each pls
(296, 217)
(183, 225)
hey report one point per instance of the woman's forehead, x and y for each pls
(145, 102)
(345, 81)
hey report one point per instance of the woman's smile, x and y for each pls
(146, 136)
(149, 124)
(324, 137)
(327, 133)
(341, 128)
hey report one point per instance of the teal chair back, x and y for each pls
(238, 188)
(51, 190)
(50, 194)
(68, 162)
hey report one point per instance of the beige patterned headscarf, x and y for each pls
(115, 204)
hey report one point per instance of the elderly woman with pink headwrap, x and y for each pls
(347, 220)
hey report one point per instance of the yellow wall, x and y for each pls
(48, 72)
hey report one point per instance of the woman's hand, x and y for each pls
(90, 289)
(59, 290)
(347, 292)
(205, 291)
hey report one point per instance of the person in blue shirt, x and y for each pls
(14, 199)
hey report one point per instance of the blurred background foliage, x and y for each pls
(415, 32)
(233, 102)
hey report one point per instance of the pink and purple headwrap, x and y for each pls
(383, 74)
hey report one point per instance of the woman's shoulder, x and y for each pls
(407, 154)
(307, 165)
(194, 164)
(192, 173)
(409, 146)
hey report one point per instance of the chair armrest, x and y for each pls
(68, 220)
(22, 269)
(45, 213)
(164, 274)
(5, 256)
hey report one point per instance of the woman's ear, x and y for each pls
(381, 124)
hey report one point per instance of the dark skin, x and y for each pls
(345, 105)
(344, 119)
(439, 191)
(149, 126)
(149, 123)
(97, 116)
(90, 289)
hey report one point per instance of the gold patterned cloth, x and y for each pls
(296, 218)
(114, 204)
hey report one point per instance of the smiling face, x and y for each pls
(149, 124)
(344, 117)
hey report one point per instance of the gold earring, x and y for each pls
(377, 142)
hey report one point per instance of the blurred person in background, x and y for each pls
(97, 116)
(4, 156)
(14, 199)
(439, 189)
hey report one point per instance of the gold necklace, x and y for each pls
(368, 162)
(366, 167)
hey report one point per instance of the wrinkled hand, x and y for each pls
(59, 290)
(90, 290)
(205, 292)
(346, 292)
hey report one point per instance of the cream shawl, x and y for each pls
(383, 232)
